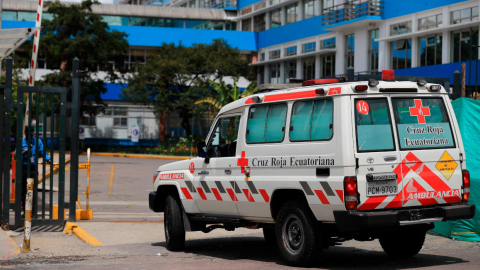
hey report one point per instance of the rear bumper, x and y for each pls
(356, 221)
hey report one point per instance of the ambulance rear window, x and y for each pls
(422, 123)
(374, 128)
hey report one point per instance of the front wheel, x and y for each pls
(174, 228)
(402, 244)
(297, 234)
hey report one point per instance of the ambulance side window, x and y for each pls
(223, 142)
(373, 124)
(266, 123)
(312, 120)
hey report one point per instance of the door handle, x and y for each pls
(390, 158)
(228, 171)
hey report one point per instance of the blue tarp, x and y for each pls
(468, 117)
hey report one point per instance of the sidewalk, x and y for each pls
(139, 156)
(8, 248)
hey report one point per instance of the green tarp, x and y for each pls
(468, 117)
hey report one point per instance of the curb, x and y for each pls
(138, 156)
(83, 235)
(55, 170)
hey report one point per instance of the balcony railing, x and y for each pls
(351, 10)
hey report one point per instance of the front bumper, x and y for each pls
(154, 202)
(356, 221)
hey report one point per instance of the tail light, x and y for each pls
(466, 185)
(361, 87)
(155, 176)
(351, 193)
(319, 91)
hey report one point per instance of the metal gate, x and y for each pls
(50, 102)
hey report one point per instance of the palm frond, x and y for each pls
(210, 100)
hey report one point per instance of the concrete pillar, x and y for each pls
(299, 69)
(362, 43)
(251, 25)
(340, 55)
(284, 15)
(267, 20)
(383, 48)
(197, 3)
(318, 7)
(446, 43)
(317, 67)
(300, 10)
(239, 25)
(415, 45)
(282, 72)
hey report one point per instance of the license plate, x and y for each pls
(382, 188)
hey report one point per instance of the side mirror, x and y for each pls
(201, 149)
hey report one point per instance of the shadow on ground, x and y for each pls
(338, 257)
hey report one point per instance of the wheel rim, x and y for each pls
(293, 234)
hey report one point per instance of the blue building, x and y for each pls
(287, 39)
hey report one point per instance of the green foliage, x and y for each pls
(73, 32)
(178, 76)
(227, 93)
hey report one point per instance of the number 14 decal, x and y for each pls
(362, 107)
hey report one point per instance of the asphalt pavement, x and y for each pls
(133, 237)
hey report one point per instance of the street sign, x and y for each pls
(135, 133)
(81, 133)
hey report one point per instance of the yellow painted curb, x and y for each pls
(83, 235)
(138, 156)
(55, 170)
(9, 242)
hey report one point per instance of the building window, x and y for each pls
(373, 50)
(266, 123)
(276, 18)
(89, 120)
(431, 50)
(309, 47)
(290, 70)
(400, 28)
(402, 54)
(310, 8)
(247, 24)
(261, 74)
(291, 15)
(463, 40)
(275, 73)
(273, 54)
(309, 68)
(328, 43)
(328, 63)
(230, 26)
(349, 50)
(430, 22)
(291, 51)
(119, 116)
(259, 22)
(464, 15)
(312, 120)
(262, 56)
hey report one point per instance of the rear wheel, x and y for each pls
(297, 234)
(174, 229)
(403, 244)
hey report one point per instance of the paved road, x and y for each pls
(132, 237)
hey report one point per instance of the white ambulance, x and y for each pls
(324, 163)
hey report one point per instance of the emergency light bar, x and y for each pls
(319, 81)
(388, 75)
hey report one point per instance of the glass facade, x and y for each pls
(431, 50)
(309, 47)
(274, 55)
(328, 65)
(349, 51)
(464, 15)
(247, 24)
(328, 43)
(291, 15)
(401, 54)
(430, 22)
(275, 73)
(290, 70)
(309, 68)
(276, 18)
(373, 50)
(259, 23)
(400, 28)
(462, 41)
(291, 51)
(310, 9)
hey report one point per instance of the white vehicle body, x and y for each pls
(420, 167)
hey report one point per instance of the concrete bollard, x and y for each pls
(28, 215)
(88, 179)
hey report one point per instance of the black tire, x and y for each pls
(269, 235)
(403, 244)
(174, 228)
(297, 235)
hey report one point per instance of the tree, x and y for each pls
(75, 31)
(227, 94)
(176, 77)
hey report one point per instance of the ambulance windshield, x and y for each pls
(422, 123)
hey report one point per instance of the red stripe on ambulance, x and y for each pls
(202, 194)
(322, 197)
(186, 193)
(264, 195)
(217, 195)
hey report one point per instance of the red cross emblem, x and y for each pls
(192, 167)
(419, 111)
(242, 162)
